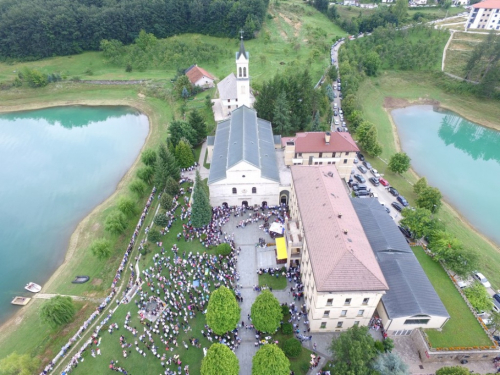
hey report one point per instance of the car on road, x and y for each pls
(483, 280)
(383, 181)
(375, 172)
(359, 178)
(396, 206)
(367, 165)
(357, 186)
(361, 156)
(402, 200)
(362, 169)
(362, 193)
(335, 113)
(374, 181)
(393, 191)
(406, 232)
(497, 339)
(337, 122)
(497, 297)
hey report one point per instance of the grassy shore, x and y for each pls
(392, 90)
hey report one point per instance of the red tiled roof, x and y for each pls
(488, 4)
(195, 73)
(315, 142)
(340, 262)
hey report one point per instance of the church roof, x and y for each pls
(227, 88)
(242, 51)
(195, 73)
(243, 137)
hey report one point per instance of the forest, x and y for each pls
(35, 29)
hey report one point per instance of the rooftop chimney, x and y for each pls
(327, 138)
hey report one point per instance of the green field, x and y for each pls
(277, 283)
(453, 333)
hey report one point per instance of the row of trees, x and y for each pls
(34, 29)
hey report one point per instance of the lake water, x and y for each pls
(459, 157)
(56, 165)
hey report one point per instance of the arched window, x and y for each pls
(244, 71)
(235, 191)
(240, 72)
(254, 190)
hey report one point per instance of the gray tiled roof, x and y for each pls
(244, 137)
(410, 291)
(210, 140)
(227, 88)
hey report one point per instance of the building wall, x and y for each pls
(228, 105)
(222, 191)
(480, 18)
(210, 151)
(205, 82)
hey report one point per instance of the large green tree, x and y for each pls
(116, 222)
(281, 114)
(166, 166)
(442, 243)
(197, 123)
(138, 187)
(201, 213)
(223, 311)
(419, 221)
(390, 364)
(367, 137)
(101, 248)
(16, 364)
(399, 162)
(462, 262)
(181, 129)
(57, 311)
(184, 155)
(353, 352)
(220, 360)
(270, 360)
(146, 173)
(127, 206)
(266, 312)
(478, 297)
(420, 185)
(430, 198)
(148, 157)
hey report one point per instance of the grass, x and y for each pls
(459, 52)
(415, 87)
(454, 333)
(277, 283)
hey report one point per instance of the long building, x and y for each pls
(484, 15)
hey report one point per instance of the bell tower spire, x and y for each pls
(242, 75)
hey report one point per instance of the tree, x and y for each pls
(455, 370)
(462, 262)
(399, 162)
(161, 220)
(127, 206)
(112, 50)
(172, 187)
(185, 93)
(316, 124)
(270, 360)
(166, 201)
(184, 155)
(442, 243)
(430, 198)
(388, 345)
(35, 78)
(145, 41)
(101, 248)
(418, 221)
(15, 364)
(166, 167)
(181, 84)
(292, 348)
(478, 297)
(367, 137)
(116, 222)
(138, 187)
(154, 236)
(390, 364)
(420, 185)
(197, 123)
(146, 174)
(148, 157)
(332, 71)
(201, 213)
(223, 311)
(372, 63)
(57, 311)
(400, 10)
(353, 351)
(266, 312)
(495, 321)
(223, 249)
(281, 114)
(181, 129)
(220, 360)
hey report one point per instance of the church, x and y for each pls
(245, 167)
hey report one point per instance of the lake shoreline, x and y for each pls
(389, 105)
(72, 247)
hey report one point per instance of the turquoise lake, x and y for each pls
(57, 165)
(460, 158)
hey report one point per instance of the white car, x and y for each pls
(336, 122)
(483, 280)
(375, 173)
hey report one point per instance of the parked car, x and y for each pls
(335, 113)
(483, 280)
(383, 181)
(396, 206)
(362, 193)
(361, 156)
(337, 122)
(393, 191)
(402, 200)
(356, 186)
(367, 165)
(359, 178)
(362, 169)
(356, 161)
(406, 232)
(375, 172)
(497, 339)
(374, 181)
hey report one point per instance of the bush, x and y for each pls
(166, 201)
(292, 348)
(379, 346)
(223, 249)
(285, 309)
(287, 328)
(161, 220)
(154, 235)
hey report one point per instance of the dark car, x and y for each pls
(396, 206)
(362, 169)
(359, 178)
(367, 165)
(405, 231)
(362, 193)
(374, 181)
(361, 156)
(402, 200)
(497, 339)
(497, 297)
(393, 191)
(358, 187)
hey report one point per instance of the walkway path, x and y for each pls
(76, 298)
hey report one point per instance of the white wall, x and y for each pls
(205, 82)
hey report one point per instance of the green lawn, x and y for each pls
(277, 283)
(462, 329)
(299, 365)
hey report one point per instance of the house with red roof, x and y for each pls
(485, 15)
(321, 148)
(200, 77)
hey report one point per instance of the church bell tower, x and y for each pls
(242, 76)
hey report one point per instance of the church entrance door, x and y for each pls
(244, 203)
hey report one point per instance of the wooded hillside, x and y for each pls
(34, 29)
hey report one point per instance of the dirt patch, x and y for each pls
(96, 282)
(96, 227)
(295, 24)
(394, 103)
(142, 96)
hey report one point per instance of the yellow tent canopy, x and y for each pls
(281, 248)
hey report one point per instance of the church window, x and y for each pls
(235, 191)
(244, 71)
(254, 190)
(345, 161)
(240, 72)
